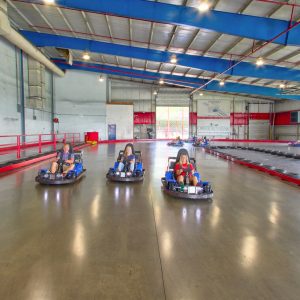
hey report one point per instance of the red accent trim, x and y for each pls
(284, 118)
(239, 119)
(32, 161)
(193, 118)
(259, 168)
(25, 146)
(146, 118)
(260, 116)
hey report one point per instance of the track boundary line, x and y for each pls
(157, 240)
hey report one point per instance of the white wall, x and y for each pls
(214, 111)
(122, 117)
(80, 103)
(287, 132)
(36, 121)
(141, 95)
(9, 117)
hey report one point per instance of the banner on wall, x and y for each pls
(112, 132)
(193, 118)
(243, 118)
(144, 118)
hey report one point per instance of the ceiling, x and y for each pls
(165, 37)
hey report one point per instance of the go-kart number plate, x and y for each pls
(123, 174)
(191, 190)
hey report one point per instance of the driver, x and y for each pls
(127, 159)
(66, 157)
(183, 169)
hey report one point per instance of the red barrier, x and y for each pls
(28, 162)
(256, 167)
(19, 142)
(144, 118)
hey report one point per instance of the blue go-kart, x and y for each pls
(294, 144)
(191, 140)
(47, 178)
(201, 143)
(176, 143)
(125, 175)
(170, 186)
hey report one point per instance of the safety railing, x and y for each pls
(19, 142)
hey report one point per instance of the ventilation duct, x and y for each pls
(19, 41)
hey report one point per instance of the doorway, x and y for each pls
(172, 122)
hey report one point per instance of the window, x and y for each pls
(295, 117)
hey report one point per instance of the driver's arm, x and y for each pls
(57, 157)
(192, 169)
(132, 159)
(178, 170)
(70, 161)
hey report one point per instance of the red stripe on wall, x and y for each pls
(284, 118)
(147, 118)
(243, 118)
(193, 118)
(259, 116)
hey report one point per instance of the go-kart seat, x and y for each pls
(138, 159)
(191, 160)
(78, 157)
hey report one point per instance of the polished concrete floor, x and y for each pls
(99, 240)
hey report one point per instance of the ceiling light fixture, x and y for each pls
(260, 62)
(161, 81)
(282, 86)
(86, 56)
(201, 94)
(204, 6)
(49, 1)
(173, 59)
(101, 78)
(222, 83)
(155, 93)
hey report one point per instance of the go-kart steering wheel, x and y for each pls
(60, 163)
(187, 170)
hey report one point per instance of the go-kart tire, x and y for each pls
(62, 181)
(132, 179)
(182, 195)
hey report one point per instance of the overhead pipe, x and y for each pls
(279, 3)
(18, 40)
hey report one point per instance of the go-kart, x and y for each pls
(47, 178)
(191, 140)
(171, 187)
(125, 175)
(176, 143)
(201, 143)
(294, 144)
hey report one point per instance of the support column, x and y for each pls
(22, 97)
(52, 103)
